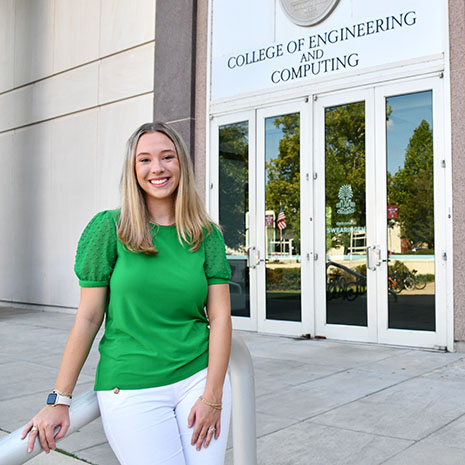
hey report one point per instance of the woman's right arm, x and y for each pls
(88, 320)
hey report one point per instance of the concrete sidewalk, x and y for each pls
(318, 402)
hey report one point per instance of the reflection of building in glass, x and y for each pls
(358, 243)
(279, 244)
(394, 239)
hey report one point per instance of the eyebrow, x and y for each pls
(162, 151)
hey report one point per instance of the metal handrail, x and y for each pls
(347, 269)
(13, 450)
(243, 404)
(357, 275)
(85, 409)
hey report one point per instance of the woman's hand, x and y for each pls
(44, 425)
(204, 418)
(88, 320)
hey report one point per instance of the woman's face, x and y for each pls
(157, 166)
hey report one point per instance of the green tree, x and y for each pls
(345, 166)
(283, 176)
(233, 183)
(412, 188)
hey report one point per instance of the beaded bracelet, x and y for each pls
(65, 394)
(210, 404)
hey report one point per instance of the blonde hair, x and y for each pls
(134, 229)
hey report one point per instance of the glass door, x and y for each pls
(282, 156)
(412, 310)
(344, 182)
(256, 193)
(381, 215)
(233, 206)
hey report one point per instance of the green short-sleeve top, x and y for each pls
(156, 328)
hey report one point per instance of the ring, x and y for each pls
(212, 429)
(34, 428)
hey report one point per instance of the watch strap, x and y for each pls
(57, 399)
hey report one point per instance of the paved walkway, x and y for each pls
(318, 402)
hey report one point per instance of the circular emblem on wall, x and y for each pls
(308, 12)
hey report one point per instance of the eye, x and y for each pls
(169, 157)
(143, 160)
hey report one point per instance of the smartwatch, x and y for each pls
(57, 399)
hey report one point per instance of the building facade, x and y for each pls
(327, 139)
(333, 166)
(75, 79)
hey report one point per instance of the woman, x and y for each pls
(151, 268)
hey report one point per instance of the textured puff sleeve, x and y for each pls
(217, 267)
(96, 252)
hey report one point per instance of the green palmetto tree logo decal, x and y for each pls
(345, 206)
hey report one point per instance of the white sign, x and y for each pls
(359, 34)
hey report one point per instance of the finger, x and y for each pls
(63, 429)
(201, 438)
(50, 438)
(31, 440)
(26, 429)
(195, 435)
(218, 430)
(191, 418)
(208, 438)
(43, 441)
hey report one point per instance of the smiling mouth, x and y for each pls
(159, 182)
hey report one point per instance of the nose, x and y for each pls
(157, 166)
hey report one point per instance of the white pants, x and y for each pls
(149, 426)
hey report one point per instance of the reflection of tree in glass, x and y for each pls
(345, 165)
(233, 183)
(283, 175)
(411, 188)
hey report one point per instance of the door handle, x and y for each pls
(259, 260)
(249, 257)
(370, 251)
(380, 260)
(254, 262)
(374, 257)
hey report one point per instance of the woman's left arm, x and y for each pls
(202, 416)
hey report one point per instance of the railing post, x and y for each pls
(13, 451)
(243, 404)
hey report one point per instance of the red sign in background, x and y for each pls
(392, 211)
(269, 221)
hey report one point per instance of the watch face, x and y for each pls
(51, 399)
